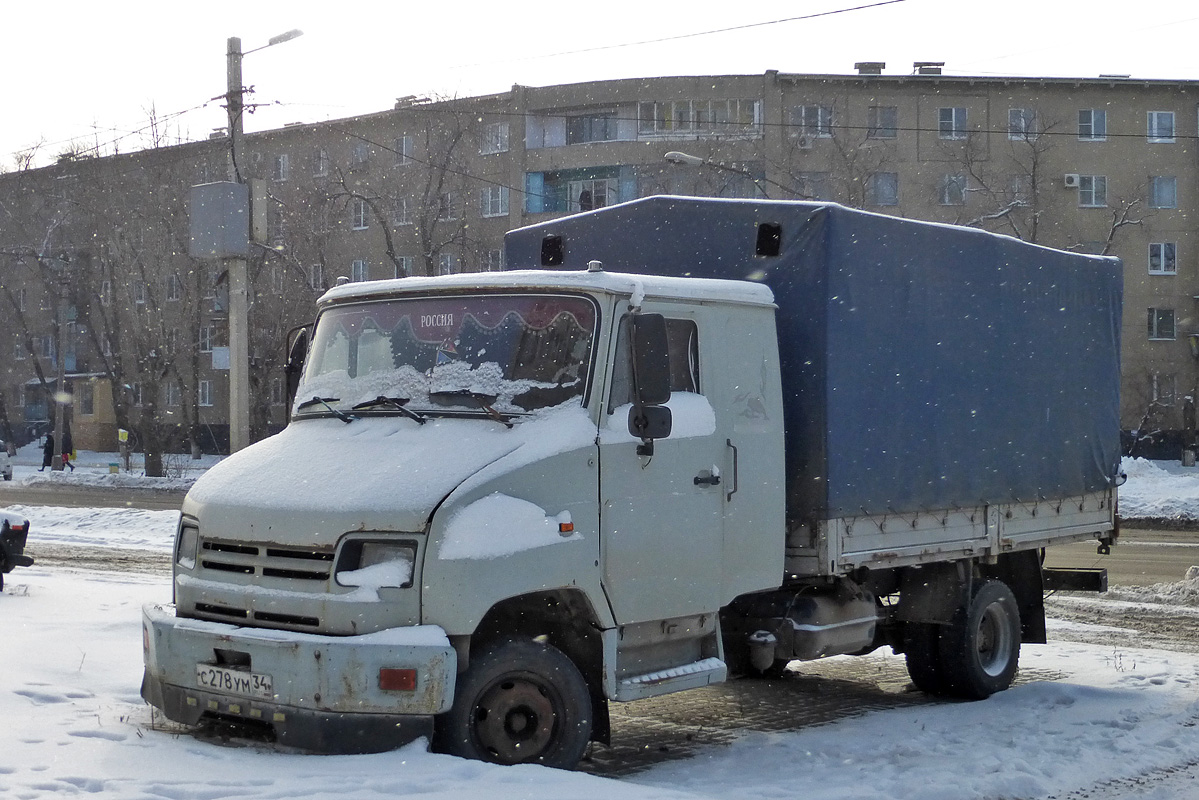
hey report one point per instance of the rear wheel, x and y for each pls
(921, 644)
(517, 702)
(981, 650)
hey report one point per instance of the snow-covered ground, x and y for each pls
(72, 723)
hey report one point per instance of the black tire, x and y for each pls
(981, 650)
(922, 652)
(518, 702)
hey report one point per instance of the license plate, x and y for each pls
(232, 681)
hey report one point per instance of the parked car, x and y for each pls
(5, 462)
(14, 530)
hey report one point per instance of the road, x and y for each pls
(81, 496)
(1140, 558)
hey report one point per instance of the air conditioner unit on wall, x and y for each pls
(804, 142)
(1070, 179)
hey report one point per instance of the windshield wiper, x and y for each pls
(398, 403)
(481, 401)
(325, 401)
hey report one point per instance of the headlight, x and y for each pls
(185, 545)
(376, 565)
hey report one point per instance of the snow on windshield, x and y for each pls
(525, 351)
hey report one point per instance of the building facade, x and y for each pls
(97, 247)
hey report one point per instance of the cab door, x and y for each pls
(662, 515)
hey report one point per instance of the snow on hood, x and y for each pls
(319, 478)
(13, 520)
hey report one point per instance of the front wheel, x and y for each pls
(519, 701)
(981, 650)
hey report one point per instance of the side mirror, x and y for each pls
(296, 353)
(649, 422)
(651, 359)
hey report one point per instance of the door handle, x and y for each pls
(707, 480)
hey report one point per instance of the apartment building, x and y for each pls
(1102, 165)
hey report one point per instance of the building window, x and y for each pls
(1164, 389)
(446, 264)
(358, 216)
(316, 277)
(591, 194)
(813, 185)
(282, 167)
(1163, 191)
(1021, 124)
(205, 339)
(139, 292)
(46, 348)
(135, 394)
(882, 189)
(1161, 323)
(1092, 124)
(595, 127)
(174, 287)
(698, 116)
(402, 145)
(173, 394)
(1161, 126)
(815, 121)
(495, 138)
(358, 270)
(883, 122)
(493, 201)
(205, 393)
(403, 267)
(1163, 258)
(276, 391)
(360, 154)
(1092, 191)
(447, 206)
(18, 351)
(20, 298)
(401, 213)
(493, 260)
(320, 162)
(85, 398)
(277, 279)
(953, 190)
(951, 123)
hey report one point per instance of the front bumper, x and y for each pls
(325, 689)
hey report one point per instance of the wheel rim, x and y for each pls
(515, 720)
(994, 638)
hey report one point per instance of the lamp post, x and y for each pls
(239, 302)
(677, 157)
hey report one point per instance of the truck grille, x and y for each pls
(268, 561)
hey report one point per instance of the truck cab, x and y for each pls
(527, 493)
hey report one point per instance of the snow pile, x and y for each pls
(131, 528)
(1162, 490)
(1182, 593)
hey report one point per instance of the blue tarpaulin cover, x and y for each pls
(924, 366)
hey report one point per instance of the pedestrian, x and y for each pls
(67, 449)
(47, 452)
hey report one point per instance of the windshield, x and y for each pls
(520, 352)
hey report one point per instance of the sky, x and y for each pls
(1117, 721)
(91, 74)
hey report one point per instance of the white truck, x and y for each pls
(505, 500)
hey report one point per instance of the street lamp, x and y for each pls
(239, 304)
(677, 157)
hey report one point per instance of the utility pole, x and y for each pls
(238, 270)
(60, 386)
